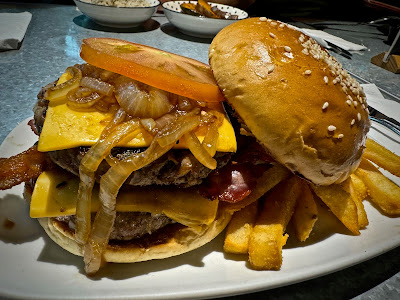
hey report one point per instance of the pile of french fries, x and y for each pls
(259, 223)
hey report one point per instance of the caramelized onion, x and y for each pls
(199, 151)
(210, 139)
(143, 101)
(185, 104)
(110, 184)
(87, 168)
(184, 124)
(185, 167)
(97, 85)
(149, 124)
(82, 98)
(118, 118)
(60, 91)
(164, 120)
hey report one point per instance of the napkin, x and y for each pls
(12, 29)
(390, 108)
(322, 37)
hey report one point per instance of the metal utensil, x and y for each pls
(386, 57)
(339, 50)
(390, 123)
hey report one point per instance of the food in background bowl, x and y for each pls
(120, 3)
(205, 9)
(200, 26)
(118, 14)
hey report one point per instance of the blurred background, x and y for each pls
(336, 9)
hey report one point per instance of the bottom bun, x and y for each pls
(183, 240)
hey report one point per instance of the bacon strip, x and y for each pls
(236, 181)
(21, 167)
(32, 124)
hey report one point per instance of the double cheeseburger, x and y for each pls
(140, 160)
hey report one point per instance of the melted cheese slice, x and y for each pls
(66, 128)
(55, 194)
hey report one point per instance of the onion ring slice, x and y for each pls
(61, 90)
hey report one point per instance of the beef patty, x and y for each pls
(128, 225)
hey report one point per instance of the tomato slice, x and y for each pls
(167, 71)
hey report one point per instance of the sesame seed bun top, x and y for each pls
(293, 96)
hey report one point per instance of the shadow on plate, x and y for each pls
(52, 253)
(87, 23)
(16, 227)
(171, 30)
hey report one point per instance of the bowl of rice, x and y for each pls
(118, 13)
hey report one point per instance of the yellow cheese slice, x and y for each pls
(66, 128)
(55, 195)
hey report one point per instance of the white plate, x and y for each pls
(32, 266)
(118, 17)
(199, 26)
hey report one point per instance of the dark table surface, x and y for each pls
(52, 43)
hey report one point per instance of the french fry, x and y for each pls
(239, 229)
(267, 237)
(267, 181)
(305, 214)
(359, 187)
(382, 191)
(358, 191)
(340, 203)
(382, 157)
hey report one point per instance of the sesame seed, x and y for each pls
(263, 19)
(282, 25)
(273, 23)
(272, 35)
(367, 110)
(353, 122)
(271, 68)
(304, 51)
(340, 136)
(355, 103)
(307, 72)
(325, 106)
(348, 102)
(334, 81)
(203, 113)
(288, 49)
(331, 128)
(359, 117)
(326, 79)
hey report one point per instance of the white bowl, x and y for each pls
(120, 17)
(199, 26)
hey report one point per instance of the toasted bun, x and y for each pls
(181, 241)
(294, 97)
